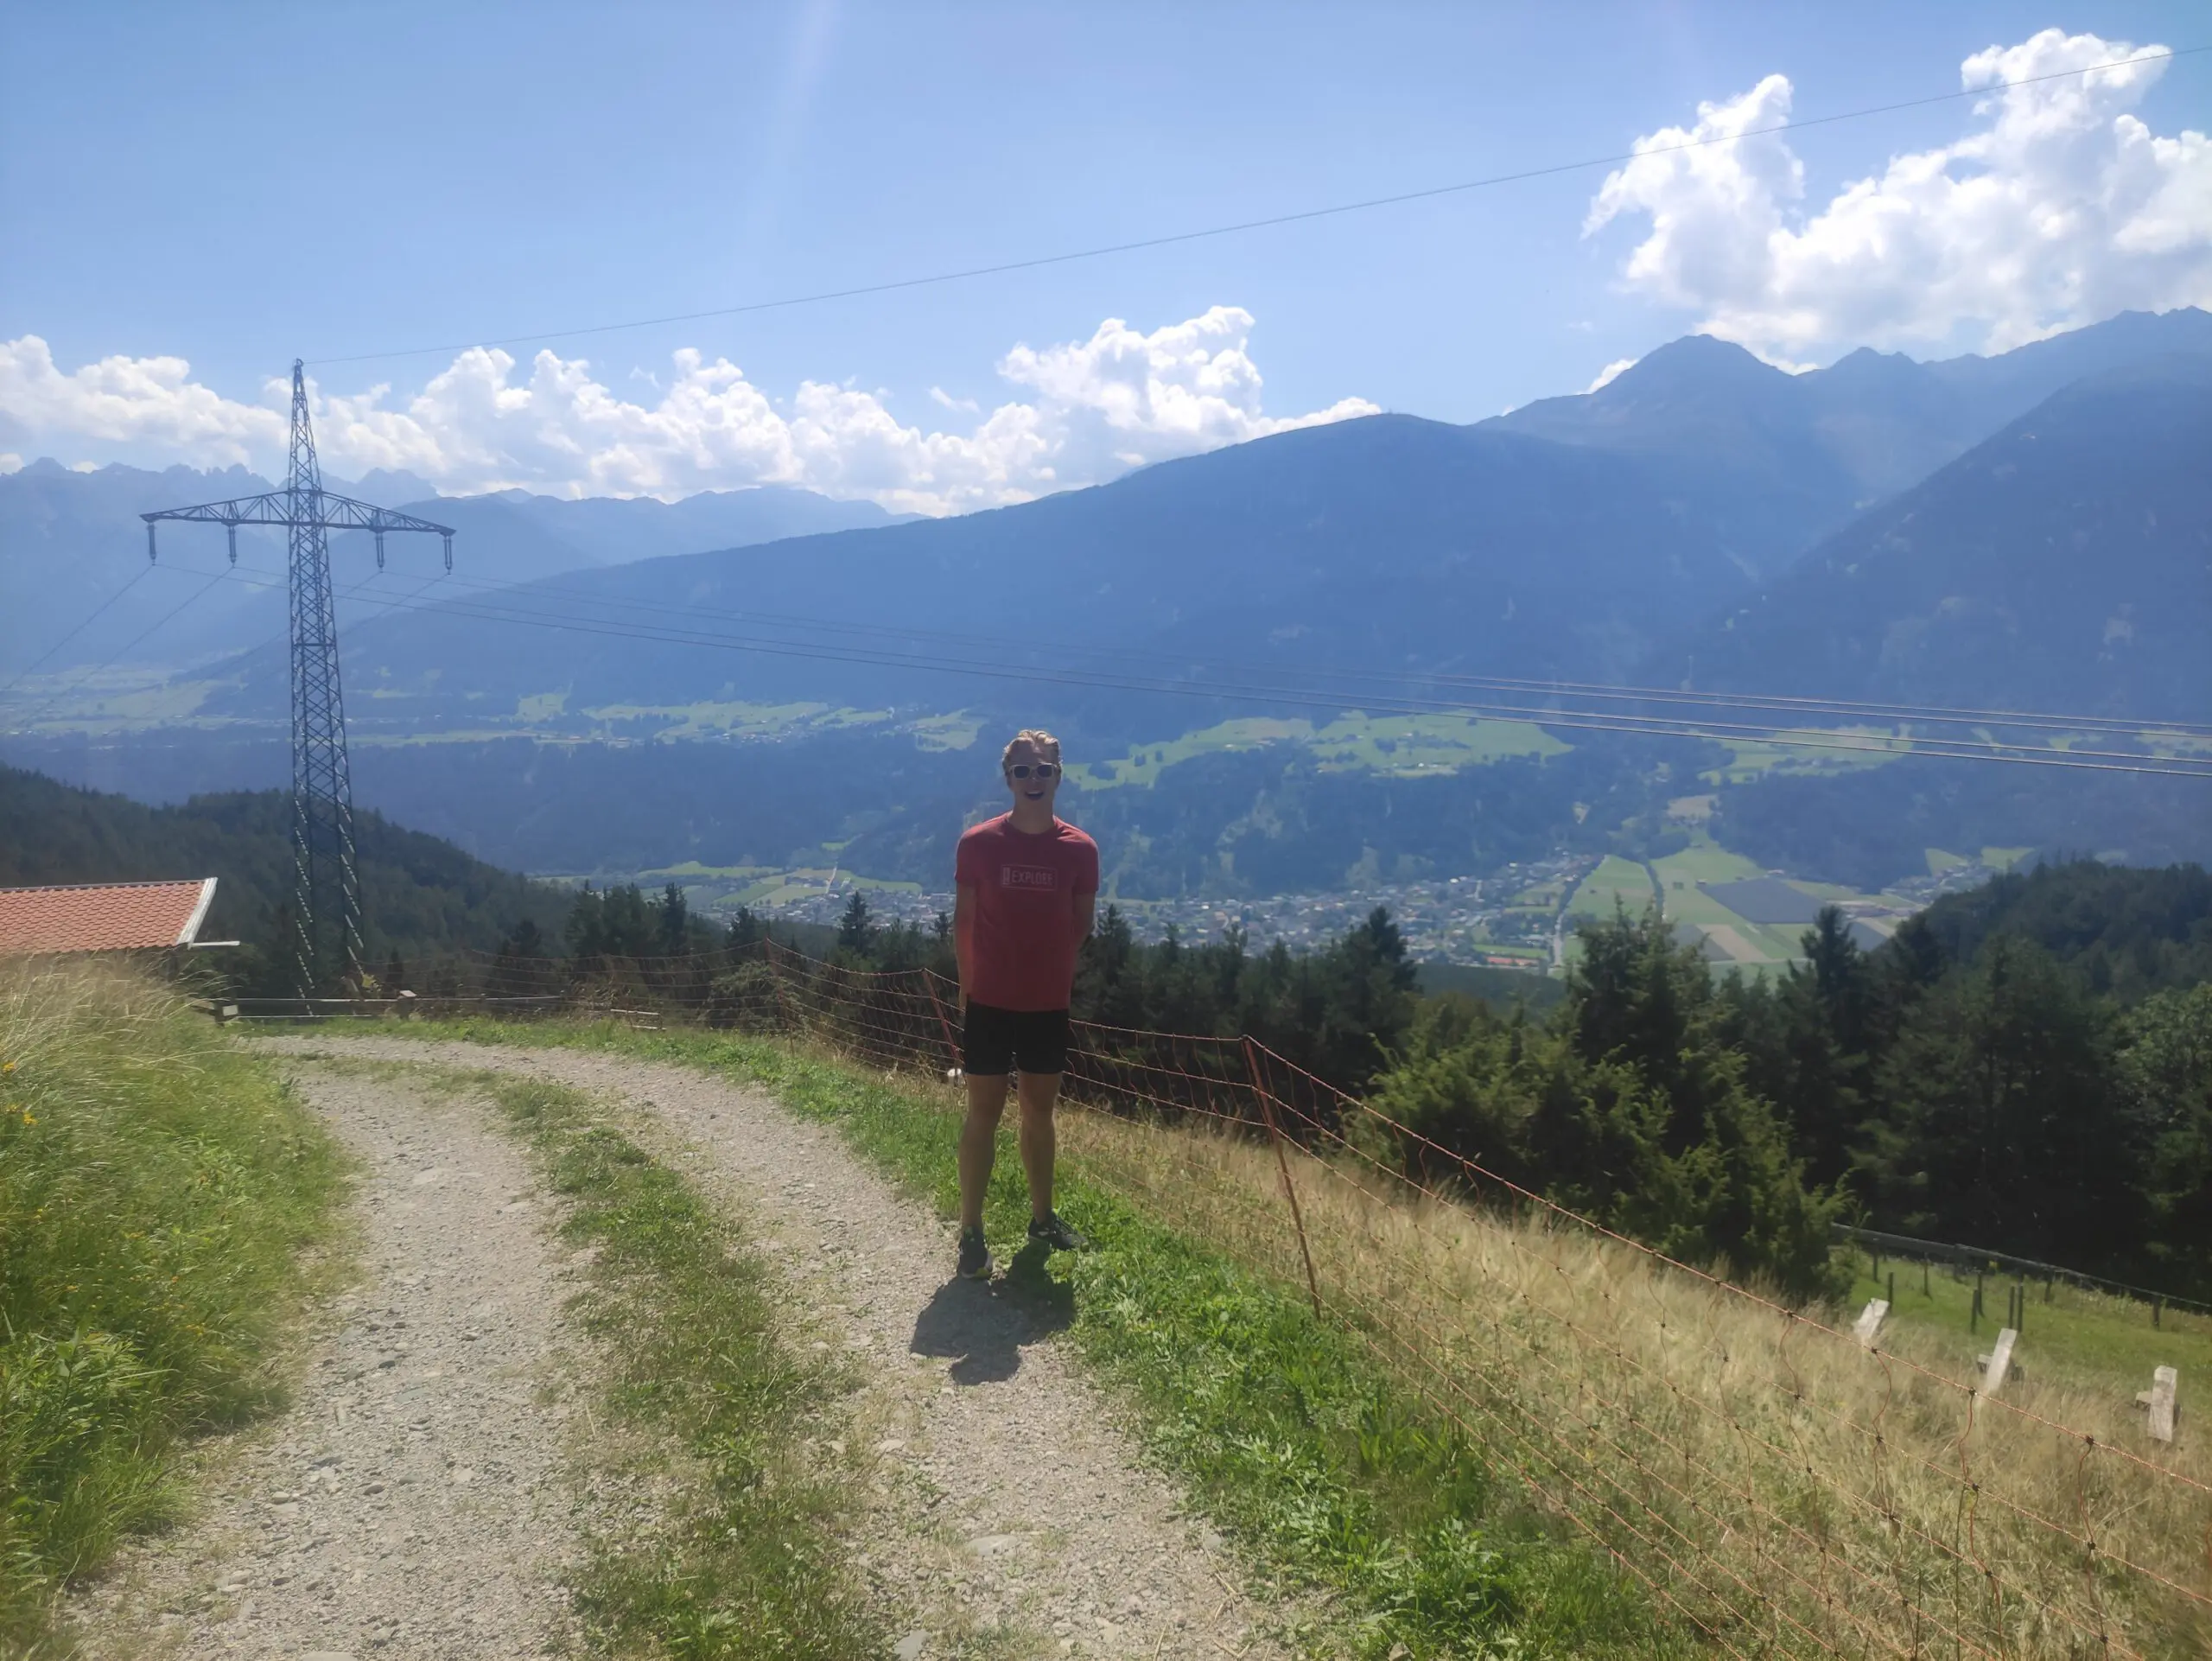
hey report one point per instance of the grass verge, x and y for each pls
(157, 1188)
(740, 1558)
(1376, 1517)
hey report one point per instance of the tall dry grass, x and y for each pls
(156, 1187)
(1779, 1488)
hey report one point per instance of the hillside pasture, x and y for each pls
(2098, 1343)
(1733, 1456)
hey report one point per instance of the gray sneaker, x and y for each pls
(974, 1255)
(1052, 1232)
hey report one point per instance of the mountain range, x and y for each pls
(1777, 461)
(1590, 538)
(2064, 565)
(71, 542)
(2028, 529)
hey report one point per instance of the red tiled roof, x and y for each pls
(103, 916)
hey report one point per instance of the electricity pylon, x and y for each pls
(327, 889)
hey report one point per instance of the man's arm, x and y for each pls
(1086, 910)
(964, 935)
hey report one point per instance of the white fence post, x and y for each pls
(1868, 1326)
(1997, 1362)
(2159, 1398)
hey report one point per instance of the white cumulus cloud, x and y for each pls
(2059, 208)
(1085, 410)
(138, 404)
(1609, 373)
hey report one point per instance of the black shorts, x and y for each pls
(994, 1040)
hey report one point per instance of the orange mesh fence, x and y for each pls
(1777, 1485)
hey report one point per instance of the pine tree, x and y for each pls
(2002, 1126)
(855, 931)
(672, 923)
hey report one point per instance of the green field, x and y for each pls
(710, 888)
(957, 731)
(1397, 746)
(1614, 879)
(733, 719)
(1704, 860)
(1754, 759)
(692, 871)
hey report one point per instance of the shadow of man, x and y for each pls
(983, 1325)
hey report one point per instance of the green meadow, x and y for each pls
(1397, 746)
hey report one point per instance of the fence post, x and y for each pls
(2159, 1398)
(1997, 1362)
(951, 1044)
(1868, 1328)
(776, 975)
(1283, 1164)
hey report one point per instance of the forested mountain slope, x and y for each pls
(1777, 461)
(2127, 931)
(2063, 565)
(1387, 540)
(419, 895)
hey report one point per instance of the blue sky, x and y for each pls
(233, 185)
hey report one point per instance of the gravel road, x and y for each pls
(1007, 1503)
(411, 1502)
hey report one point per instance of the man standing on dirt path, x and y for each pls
(1028, 884)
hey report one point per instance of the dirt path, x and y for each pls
(410, 1503)
(1009, 1507)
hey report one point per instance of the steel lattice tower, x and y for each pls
(327, 887)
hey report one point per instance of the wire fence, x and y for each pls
(1777, 1483)
(1879, 1244)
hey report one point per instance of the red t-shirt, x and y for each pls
(1022, 954)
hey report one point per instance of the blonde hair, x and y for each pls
(1038, 739)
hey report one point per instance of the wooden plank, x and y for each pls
(2164, 1384)
(2000, 1362)
(1869, 1325)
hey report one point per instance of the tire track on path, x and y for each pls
(413, 1501)
(1010, 1510)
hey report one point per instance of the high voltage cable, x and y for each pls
(1301, 216)
(2041, 720)
(1551, 714)
(85, 679)
(2099, 761)
(1716, 731)
(93, 617)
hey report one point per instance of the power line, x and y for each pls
(1550, 714)
(1267, 222)
(96, 613)
(1722, 733)
(84, 679)
(1804, 707)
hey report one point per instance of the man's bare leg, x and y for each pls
(979, 1137)
(1038, 1092)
